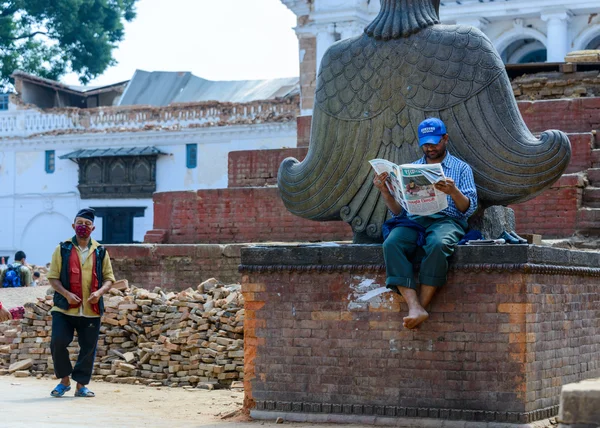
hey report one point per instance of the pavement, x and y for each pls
(26, 403)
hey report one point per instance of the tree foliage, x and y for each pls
(49, 38)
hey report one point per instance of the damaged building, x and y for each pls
(65, 147)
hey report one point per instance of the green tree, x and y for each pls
(49, 38)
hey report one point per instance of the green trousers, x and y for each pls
(400, 251)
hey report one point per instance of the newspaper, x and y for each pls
(412, 185)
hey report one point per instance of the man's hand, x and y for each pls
(94, 297)
(448, 186)
(5, 315)
(73, 299)
(379, 182)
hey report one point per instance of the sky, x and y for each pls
(214, 39)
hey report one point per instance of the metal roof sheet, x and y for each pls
(161, 88)
(123, 151)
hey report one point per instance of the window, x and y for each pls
(191, 155)
(50, 161)
(117, 177)
(3, 102)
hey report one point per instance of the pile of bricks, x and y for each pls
(556, 85)
(190, 338)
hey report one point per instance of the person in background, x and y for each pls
(17, 274)
(36, 279)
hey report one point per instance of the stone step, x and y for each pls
(588, 221)
(593, 175)
(596, 158)
(591, 197)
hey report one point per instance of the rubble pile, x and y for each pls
(194, 337)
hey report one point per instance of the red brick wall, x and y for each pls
(258, 168)
(497, 342)
(236, 215)
(553, 214)
(304, 123)
(581, 152)
(175, 267)
(568, 115)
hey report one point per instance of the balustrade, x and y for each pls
(25, 123)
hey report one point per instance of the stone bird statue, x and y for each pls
(373, 91)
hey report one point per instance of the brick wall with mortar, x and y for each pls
(555, 213)
(568, 115)
(258, 168)
(236, 215)
(500, 341)
(175, 267)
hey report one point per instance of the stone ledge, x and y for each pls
(529, 258)
(421, 413)
(388, 421)
(580, 404)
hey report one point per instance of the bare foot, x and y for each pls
(415, 318)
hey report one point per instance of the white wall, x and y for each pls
(211, 171)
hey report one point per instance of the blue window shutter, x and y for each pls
(50, 161)
(191, 155)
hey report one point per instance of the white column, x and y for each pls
(324, 40)
(557, 32)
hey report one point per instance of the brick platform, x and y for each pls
(502, 339)
(175, 267)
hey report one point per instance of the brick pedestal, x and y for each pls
(511, 326)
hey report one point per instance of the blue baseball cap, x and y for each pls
(431, 131)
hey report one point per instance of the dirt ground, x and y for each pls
(11, 297)
(26, 403)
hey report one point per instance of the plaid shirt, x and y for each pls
(462, 175)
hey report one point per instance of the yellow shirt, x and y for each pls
(87, 268)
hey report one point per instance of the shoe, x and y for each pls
(60, 390)
(509, 238)
(84, 392)
(521, 240)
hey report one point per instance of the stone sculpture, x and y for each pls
(372, 92)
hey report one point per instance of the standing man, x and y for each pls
(441, 231)
(80, 273)
(17, 274)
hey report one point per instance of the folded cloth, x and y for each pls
(486, 242)
(471, 235)
(395, 222)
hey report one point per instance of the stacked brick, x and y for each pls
(191, 338)
(556, 85)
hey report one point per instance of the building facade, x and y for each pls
(56, 160)
(522, 30)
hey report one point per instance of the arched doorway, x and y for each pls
(42, 235)
(594, 43)
(524, 51)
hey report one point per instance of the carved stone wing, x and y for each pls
(432, 70)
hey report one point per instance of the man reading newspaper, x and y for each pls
(432, 236)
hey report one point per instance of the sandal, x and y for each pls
(84, 392)
(60, 390)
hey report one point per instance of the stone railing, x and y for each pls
(29, 122)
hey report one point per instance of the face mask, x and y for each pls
(83, 231)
